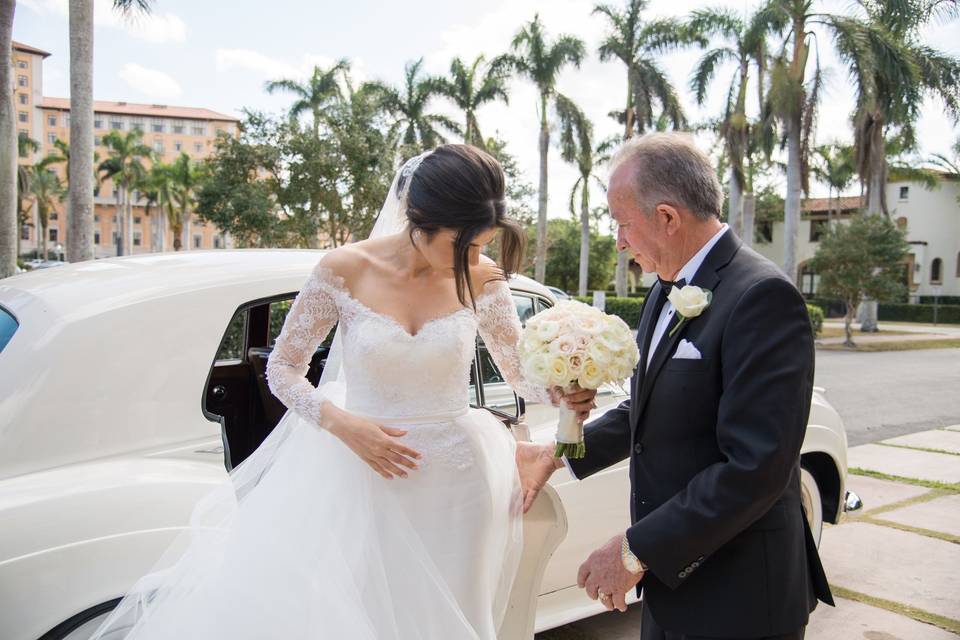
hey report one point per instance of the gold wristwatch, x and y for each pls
(631, 563)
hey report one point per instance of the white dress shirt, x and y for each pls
(687, 272)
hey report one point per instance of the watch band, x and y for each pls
(631, 562)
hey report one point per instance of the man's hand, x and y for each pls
(579, 399)
(603, 572)
(535, 464)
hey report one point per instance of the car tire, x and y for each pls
(812, 503)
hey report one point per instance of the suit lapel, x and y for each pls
(644, 334)
(706, 277)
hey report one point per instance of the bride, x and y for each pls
(382, 505)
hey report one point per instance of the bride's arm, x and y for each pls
(499, 326)
(312, 315)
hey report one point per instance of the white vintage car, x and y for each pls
(129, 386)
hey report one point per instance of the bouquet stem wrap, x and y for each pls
(569, 432)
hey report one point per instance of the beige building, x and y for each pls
(167, 130)
(931, 218)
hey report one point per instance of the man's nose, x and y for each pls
(621, 242)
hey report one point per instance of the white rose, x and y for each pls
(537, 369)
(547, 329)
(690, 301)
(559, 371)
(591, 376)
(575, 365)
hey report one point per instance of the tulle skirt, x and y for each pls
(304, 540)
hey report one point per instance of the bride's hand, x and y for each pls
(376, 444)
(536, 464)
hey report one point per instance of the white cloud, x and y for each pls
(150, 82)
(154, 27)
(274, 68)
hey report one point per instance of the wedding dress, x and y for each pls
(307, 541)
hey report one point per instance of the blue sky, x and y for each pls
(217, 54)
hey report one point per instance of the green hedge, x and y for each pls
(816, 318)
(626, 308)
(919, 313)
(943, 300)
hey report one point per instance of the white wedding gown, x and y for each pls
(307, 541)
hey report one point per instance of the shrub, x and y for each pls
(816, 318)
(626, 308)
(919, 313)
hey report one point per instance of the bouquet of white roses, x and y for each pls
(574, 343)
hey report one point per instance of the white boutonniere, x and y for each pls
(690, 302)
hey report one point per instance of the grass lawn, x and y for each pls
(837, 332)
(913, 345)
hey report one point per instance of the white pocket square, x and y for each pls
(686, 351)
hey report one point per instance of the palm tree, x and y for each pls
(892, 72)
(833, 165)
(535, 57)
(124, 166)
(9, 227)
(410, 107)
(184, 175)
(25, 147)
(746, 48)
(47, 190)
(651, 97)
(157, 189)
(577, 148)
(470, 89)
(316, 95)
(82, 183)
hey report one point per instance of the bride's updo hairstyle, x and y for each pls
(460, 187)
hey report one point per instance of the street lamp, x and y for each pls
(59, 249)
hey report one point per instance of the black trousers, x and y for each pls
(650, 630)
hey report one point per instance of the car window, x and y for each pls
(8, 326)
(232, 346)
(525, 307)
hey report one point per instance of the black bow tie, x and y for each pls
(667, 285)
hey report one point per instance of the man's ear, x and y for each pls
(669, 217)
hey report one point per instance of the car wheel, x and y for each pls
(812, 504)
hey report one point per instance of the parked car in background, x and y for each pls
(132, 385)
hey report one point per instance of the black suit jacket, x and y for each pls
(714, 448)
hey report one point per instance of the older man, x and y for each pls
(718, 543)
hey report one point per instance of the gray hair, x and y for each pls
(668, 167)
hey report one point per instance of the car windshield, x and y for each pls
(8, 326)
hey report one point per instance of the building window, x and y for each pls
(97, 141)
(114, 219)
(53, 234)
(178, 146)
(22, 81)
(96, 217)
(22, 97)
(216, 242)
(114, 195)
(157, 126)
(23, 116)
(197, 239)
(936, 271)
(158, 146)
(97, 122)
(115, 237)
(25, 232)
(117, 124)
(137, 238)
(136, 219)
(178, 126)
(808, 281)
(904, 192)
(22, 64)
(52, 121)
(197, 147)
(96, 237)
(817, 229)
(53, 215)
(51, 137)
(66, 120)
(198, 130)
(137, 124)
(25, 133)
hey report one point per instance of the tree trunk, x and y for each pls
(584, 238)
(620, 275)
(80, 208)
(735, 211)
(187, 241)
(540, 261)
(847, 322)
(749, 209)
(791, 214)
(9, 221)
(120, 215)
(128, 221)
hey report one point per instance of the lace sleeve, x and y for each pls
(311, 316)
(500, 328)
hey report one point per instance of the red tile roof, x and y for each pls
(19, 46)
(846, 203)
(150, 110)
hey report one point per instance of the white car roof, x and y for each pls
(144, 328)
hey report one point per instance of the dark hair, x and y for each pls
(461, 187)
